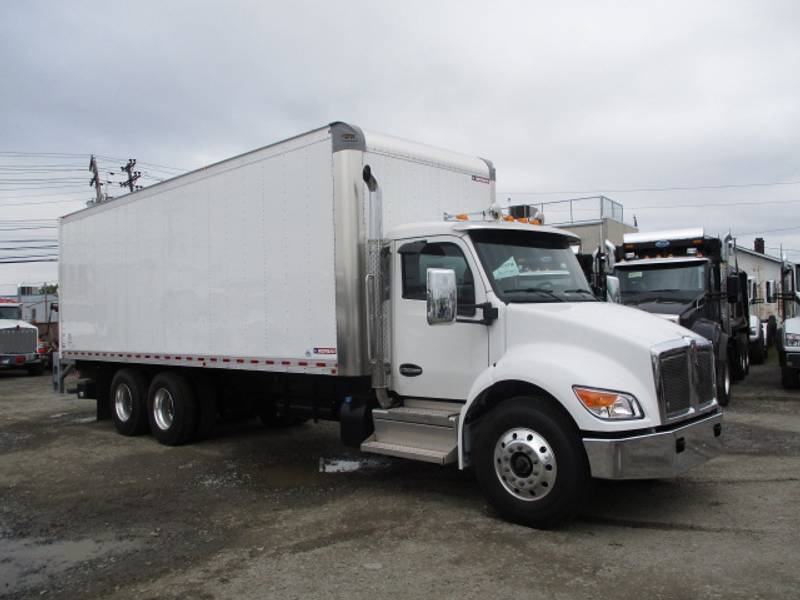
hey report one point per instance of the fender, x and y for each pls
(555, 368)
(712, 331)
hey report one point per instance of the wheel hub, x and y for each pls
(123, 402)
(163, 409)
(525, 464)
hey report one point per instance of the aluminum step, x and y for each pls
(428, 416)
(419, 433)
(421, 454)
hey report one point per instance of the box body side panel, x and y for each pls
(236, 261)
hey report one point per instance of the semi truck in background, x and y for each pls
(357, 277)
(19, 341)
(789, 334)
(688, 278)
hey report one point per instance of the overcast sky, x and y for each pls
(576, 98)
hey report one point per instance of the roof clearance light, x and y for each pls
(508, 218)
(462, 217)
(534, 221)
(697, 242)
(522, 220)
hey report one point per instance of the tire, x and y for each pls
(171, 409)
(790, 378)
(545, 438)
(127, 402)
(737, 365)
(724, 384)
(206, 400)
(746, 356)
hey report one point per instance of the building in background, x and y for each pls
(762, 270)
(39, 305)
(593, 219)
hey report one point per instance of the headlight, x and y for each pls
(609, 405)
(793, 339)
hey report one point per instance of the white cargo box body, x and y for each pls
(256, 262)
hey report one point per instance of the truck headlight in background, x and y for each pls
(793, 339)
(605, 404)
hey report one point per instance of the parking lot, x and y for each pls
(256, 513)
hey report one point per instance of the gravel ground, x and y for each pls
(251, 513)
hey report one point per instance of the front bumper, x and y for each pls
(657, 455)
(790, 358)
(18, 361)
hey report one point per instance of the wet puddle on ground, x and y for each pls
(288, 475)
(30, 562)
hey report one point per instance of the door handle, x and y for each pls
(410, 370)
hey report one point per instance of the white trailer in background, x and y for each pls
(353, 276)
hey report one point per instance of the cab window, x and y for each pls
(439, 255)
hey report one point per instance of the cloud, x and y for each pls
(573, 96)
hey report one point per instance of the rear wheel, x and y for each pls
(530, 463)
(790, 378)
(724, 383)
(737, 364)
(129, 401)
(171, 409)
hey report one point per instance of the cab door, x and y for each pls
(436, 361)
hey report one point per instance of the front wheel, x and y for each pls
(530, 463)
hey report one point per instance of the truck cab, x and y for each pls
(684, 276)
(503, 359)
(18, 340)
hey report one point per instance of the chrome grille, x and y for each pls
(18, 341)
(676, 387)
(684, 378)
(705, 375)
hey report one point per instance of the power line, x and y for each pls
(657, 189)
(768, 231)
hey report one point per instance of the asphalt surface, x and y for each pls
(256, 513)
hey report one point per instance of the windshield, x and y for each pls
(10, 312)
(531, 266)
(677, 282)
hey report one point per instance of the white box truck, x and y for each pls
(352, 276)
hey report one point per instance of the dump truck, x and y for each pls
(688, 278)
(352, 276)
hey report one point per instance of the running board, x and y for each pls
(419, 433)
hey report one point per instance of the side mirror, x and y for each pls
(441, 296)
(772, 291)
(732, 287)
(611, 256)
(612, 289)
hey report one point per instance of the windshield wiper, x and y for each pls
(578, 291)
(540, 290)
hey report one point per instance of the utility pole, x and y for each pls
(95, 180)
(133, 176)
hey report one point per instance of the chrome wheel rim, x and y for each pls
(525, 464)
(727, 383)
(163, 409)
(123, 402)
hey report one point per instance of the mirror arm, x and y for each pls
(490, 314)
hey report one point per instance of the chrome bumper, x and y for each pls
(656, 455)
(19, 360)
